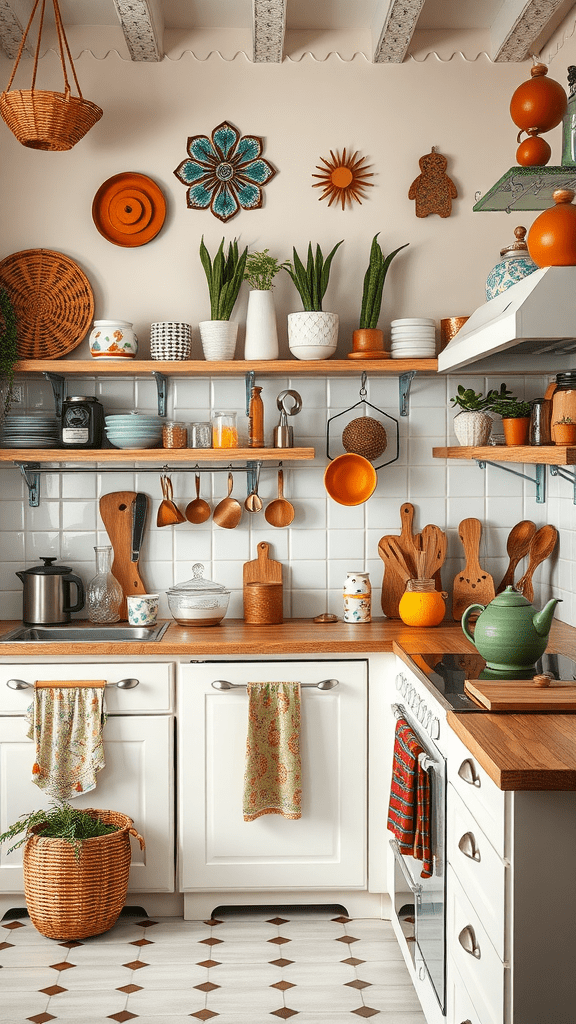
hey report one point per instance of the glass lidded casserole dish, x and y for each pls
(198, 602)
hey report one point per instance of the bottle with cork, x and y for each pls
(256, 419)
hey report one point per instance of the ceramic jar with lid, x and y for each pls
(357, 597)
(563, 403)
(515, 264)
(113, 339)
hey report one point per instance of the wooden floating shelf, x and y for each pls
(233, 368)
(157, 456)
(542, 455)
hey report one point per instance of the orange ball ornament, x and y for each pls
(552, 238)
(533, 152)
(540, 103)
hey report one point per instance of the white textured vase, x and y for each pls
(218, 339)
(261, 331)
(313, 334)
(472, 428)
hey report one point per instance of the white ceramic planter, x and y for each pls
(218, 339)
(261, 330)
(472, 428)
(313, 334)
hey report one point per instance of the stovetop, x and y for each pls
(447, 673)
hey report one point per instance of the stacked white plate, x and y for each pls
(134, 430)
(413, 338)
(35, 430)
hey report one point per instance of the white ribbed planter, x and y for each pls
(313, 334)
(218, 338)
(472, 428)
(261, 330)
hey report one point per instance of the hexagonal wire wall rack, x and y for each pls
(367, 405)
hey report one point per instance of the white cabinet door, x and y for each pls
(324, 848)
(138, 780)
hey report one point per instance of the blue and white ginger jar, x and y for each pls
(516, 263)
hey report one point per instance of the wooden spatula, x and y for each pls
(117, 514)
(517, 546)
(391, 554)
(434, 548)
(543, 544)
(474, 585)
(393, 586)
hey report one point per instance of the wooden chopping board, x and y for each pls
(117, 515)
(393, 586)
(522, 695)
(262, 569)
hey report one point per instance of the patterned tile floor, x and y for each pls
(249, 967)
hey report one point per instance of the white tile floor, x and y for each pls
(241, 967)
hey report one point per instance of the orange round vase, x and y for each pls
(552, 238)
(564, 433)
(421, 604)
(533, 152)
(516, 430)
(540, 103)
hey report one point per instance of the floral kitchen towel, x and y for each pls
(273, 775)
(66, 720)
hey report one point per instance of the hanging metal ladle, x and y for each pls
(283, 433)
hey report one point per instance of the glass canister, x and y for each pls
(201, 435)
(82, 422)
(540, 418)
(515, 264)
(357, 597)
(174, 435)
(224, 430)
(104, 594)
(564, 401)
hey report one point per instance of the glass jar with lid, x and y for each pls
(564, 401)
(198, 602)
(82, 422)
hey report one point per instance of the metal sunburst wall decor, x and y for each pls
(225, 172)
(343, 178)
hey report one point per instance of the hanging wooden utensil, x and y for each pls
(391, 554)
(474, 585)
(543, 544)
(393, 586)
(117, 513)
(517, 546)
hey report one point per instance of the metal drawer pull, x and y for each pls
(467, 940)
(223, 684)
(467, 846)
(468, 773)
(122, 684)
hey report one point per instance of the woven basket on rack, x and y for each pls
(70, 896)
(42, 119)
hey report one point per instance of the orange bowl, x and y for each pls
(350, 479)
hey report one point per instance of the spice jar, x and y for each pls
(357, 597)
(82, 422)
(200, 435)
(224, 430)
(174, 435)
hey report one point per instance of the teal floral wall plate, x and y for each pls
(225, 172)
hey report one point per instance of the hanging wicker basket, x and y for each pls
(71, 896)
(42, 119)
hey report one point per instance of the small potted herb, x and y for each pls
(367, 337)
(8, 351)
(564, 431)
(472, 424)
(515, 418)
(312, 334)
(261, 331)
(224, 276)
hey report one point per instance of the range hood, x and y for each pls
(537, 316)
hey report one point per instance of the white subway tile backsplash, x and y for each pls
(45, 517)
(308, 544)
(76, 515)
(12, 515)
(351, 541)
(39, 544)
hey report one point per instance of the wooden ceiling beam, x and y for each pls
(142, 25)
(268, 29)
(393, 28)
(518, 24)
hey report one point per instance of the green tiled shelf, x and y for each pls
(526, 188)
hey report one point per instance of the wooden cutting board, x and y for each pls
(262, 569)
(393, 586)
(117, 515)
(522, 695)
(473, 585)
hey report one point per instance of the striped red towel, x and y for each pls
(410, 797)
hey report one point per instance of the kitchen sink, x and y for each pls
(84, 634)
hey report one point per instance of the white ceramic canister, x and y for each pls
(357, 597)
(113, 339)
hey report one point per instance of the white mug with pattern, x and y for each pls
(142, 609)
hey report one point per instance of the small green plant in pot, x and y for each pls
(515, 418)
(367, 337)
(564, 431)
(8, 351)
(472, 425)
(312, 334)
(261, 331)
(224, 276)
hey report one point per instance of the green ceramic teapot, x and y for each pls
(510, 634)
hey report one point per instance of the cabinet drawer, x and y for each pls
(480, 870)
(461, 1009)
(482, 797)
(153, 693)
(481, 969)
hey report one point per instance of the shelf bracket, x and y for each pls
(250, 380)
(404, 384)
(32, 480)
(58, 383)
(539, 480)
(161, 386)
(557, 471)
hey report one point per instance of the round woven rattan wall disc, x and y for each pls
(129, 209)
(52, 299)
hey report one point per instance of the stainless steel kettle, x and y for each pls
(46, 597)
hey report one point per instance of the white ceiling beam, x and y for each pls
(11, 31)
(268, 28)
(517, 25)
(142, 25)
(393, 28)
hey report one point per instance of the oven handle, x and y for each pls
(414, 887)
(426, 762)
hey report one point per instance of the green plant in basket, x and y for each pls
(8, 347)
(62, 821)
(374, 279)
(261, 269)
(311, 281)
(224, 276)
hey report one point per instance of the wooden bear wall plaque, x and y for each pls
(433, 190)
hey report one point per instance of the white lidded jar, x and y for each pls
(357, 597)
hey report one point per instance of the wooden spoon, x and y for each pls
(198, 510)
(543, 544)
(168, 511)
(228, 512)
(279, 512)
(474, 585)
(517, 546)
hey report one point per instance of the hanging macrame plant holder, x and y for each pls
(42, 119)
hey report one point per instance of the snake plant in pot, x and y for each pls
(312, 334)
(224, 276)
(368, 338)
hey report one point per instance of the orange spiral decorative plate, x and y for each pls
(129, 209)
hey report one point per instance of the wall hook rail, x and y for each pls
(539, 480)
(571, 477)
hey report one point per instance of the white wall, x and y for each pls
(303, 108)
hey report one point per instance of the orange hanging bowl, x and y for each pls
(552, 238)
(350, 479)
(539, 103)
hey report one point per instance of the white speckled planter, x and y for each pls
(472, 428)
(218, 338)
(313, 334)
